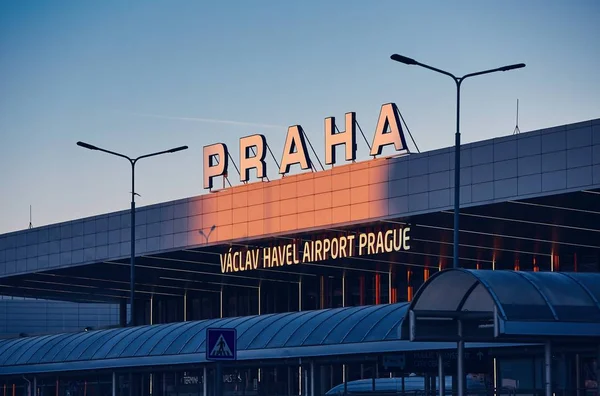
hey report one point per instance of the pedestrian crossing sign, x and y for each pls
(221, 344)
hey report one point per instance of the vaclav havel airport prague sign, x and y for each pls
(253, 148)
(311, 251)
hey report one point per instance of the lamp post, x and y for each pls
(458, 81)
(132, 161)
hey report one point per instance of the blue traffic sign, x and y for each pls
(221, 344)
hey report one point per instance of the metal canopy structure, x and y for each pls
(467, 305)
(364, 330)
(339, 331)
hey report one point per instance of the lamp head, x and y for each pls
(403, 59)
(87, 146)
(512, 67)
(176, 149)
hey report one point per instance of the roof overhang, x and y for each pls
(505, 306)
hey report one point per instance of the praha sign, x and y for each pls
(253, 148)
(301, 252)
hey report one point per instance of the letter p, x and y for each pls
(216, 159)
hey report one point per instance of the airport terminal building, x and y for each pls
(318, 272)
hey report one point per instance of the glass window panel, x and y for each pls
(68, 347)
(590, 281)
(264, 336)
(518, 297)
(94, 347)
(9, 347)
(317, 336)
(103, 349)
(387, 328)
(444, 293)
(18, 351)
(59, 351)
(35, 346)
(270, 322)
(479, 300)
(358, 324)
(172, 343)
(287, 330)
(142, 350)
(141, 332)
(81, 351)
(247, 329)
(304, 330)
(516, 374)
(568, 299)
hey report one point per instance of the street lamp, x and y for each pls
(132, 161)
(458, 81)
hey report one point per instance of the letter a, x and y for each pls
(294, 151)
(347, 138)
(255, 161)
(388, 118)
(216, 159)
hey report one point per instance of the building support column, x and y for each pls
(221, 302)
(204, 381)
(390, 287)
(185, 306)
(300, 294)
(577, 374)
(374, 377)
(361, 289)
(322, 292)
(377, 288)
(345, 380)
(598, 365)
(441, 375)
(218, 379)
(114, 384)
(123, 313)
(259, 295)
(306, 391)
(300, 386)
(312, 379)
(495, 376)
(460, 362)
(151, 309)
(344, 288)
(548, 368)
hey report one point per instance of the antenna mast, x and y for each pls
(30, 224)
(517, 130)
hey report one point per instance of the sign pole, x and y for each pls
(221, 345)
(219, 379)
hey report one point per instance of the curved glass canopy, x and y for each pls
(509, 303)
(272, 335)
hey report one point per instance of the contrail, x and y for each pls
(209, 120)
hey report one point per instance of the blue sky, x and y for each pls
(143, 76)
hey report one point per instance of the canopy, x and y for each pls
(336, 331)
(488, 305)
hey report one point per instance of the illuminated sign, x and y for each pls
(253, 148)
(309, 251)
